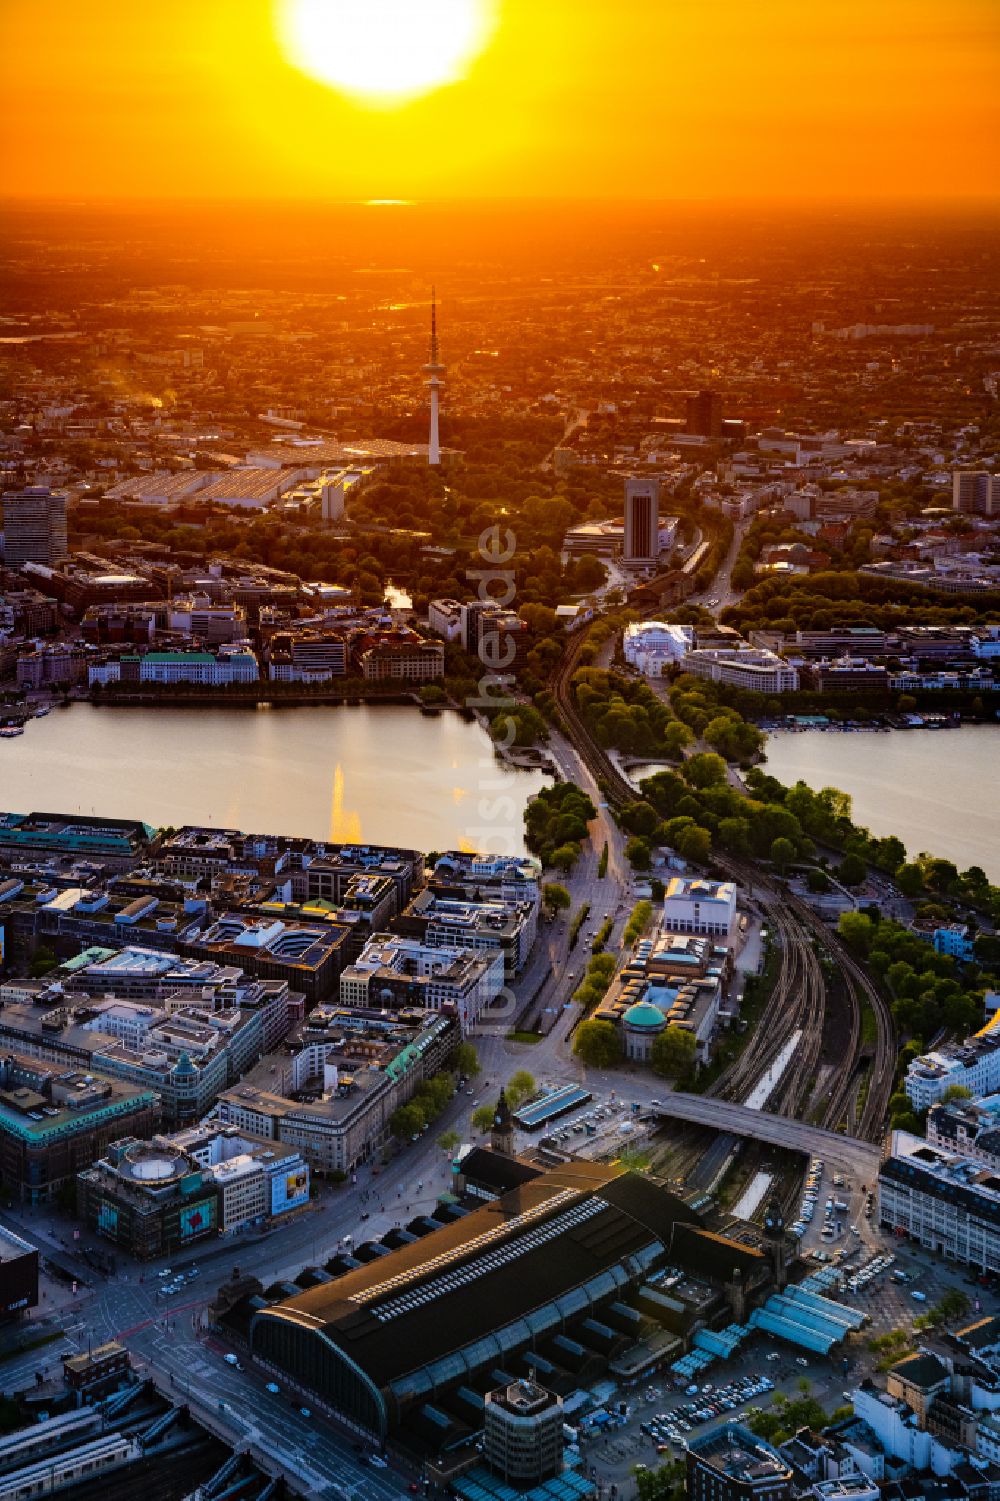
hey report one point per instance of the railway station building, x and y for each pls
(543, 1281)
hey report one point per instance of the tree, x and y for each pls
(667, 1482)
(565, 857)
(597, 1044)
(817, 880)
(694, 844)
(857, 931)
(910, 879)
(408, 1120)
(519, 1087)
(555, 898)
(734, 835)
(467, 1060)
(482, 1117)
(705, 769)
(449, 1140)
(852, 870)
(956, 1092)
(782, 853)
(638, 853)
(672, 1052)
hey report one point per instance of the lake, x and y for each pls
(372, 773)
(938, 790)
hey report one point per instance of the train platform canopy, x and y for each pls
(480, 1484)
(550, 1106)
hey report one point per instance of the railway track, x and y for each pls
(798, 1000)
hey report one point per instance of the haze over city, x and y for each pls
(499, 698)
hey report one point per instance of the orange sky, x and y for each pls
(573, 98)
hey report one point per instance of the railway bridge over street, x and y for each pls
(858, 1158)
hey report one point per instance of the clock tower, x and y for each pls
(774, 1235)
(502, 1132)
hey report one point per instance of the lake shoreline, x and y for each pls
(377, 773)
(934, 791)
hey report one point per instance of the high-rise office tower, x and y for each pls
(34, 525)
(975, 492)
(642, 521)
(435, 370)
(704, 414)
(523, 1433)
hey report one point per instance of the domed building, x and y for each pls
(640, 1024)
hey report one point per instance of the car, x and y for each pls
(304, 1411)
(273, 1388)
(801, 1360)
(918, 1296)
(378, 1462)
(231, 1359)
(165, 1273)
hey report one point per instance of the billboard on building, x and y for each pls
(290, 1189)
(197, 1219)
(107, 1218)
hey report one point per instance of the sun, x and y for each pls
(384, 52)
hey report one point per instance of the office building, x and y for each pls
(949, 1203)
(409, 659)
(523, 1433)
(729, 1463)
(642, 524)
(444, 617)
(970, 1128)
(333, 1101)
(259, 1180)
(18, 1275)
(34, 526)
(975, 492)
(485, 927)
(148, 1198)
(307, 656)
(652, 646)
(53, 1122)
(308, 956)
(507, 878)
(434, 370)
(707, 907)
(394, 970)
(756, 668)
(974, 1064)
(704, 415)
(112, 840)
(218, 669)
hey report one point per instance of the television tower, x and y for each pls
(435, 370)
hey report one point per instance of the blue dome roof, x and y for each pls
(644, 1016)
